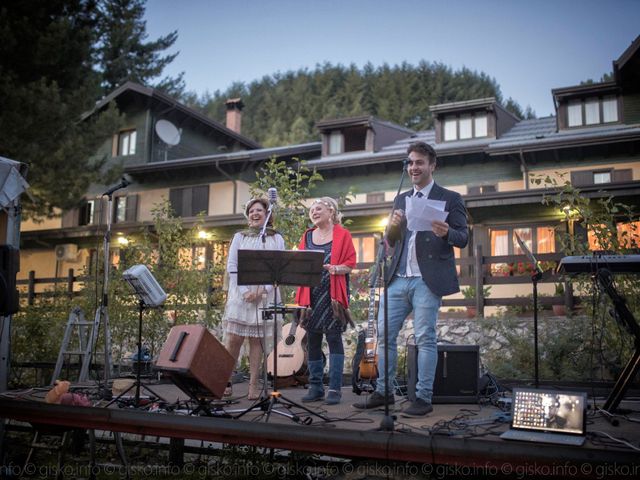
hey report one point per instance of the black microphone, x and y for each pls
(124, 183)
(272, 194)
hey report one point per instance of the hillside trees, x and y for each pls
(283, 108)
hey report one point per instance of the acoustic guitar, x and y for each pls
(292, 352)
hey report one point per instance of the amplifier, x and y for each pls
(196, 361)
(457, 373)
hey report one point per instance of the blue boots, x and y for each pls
(316, 390)
(336, 366)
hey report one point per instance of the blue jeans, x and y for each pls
(406, 295)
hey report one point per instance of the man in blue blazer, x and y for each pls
(422, 271)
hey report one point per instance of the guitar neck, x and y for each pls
(371, 325)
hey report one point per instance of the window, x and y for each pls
(465, 126)
(480, 124)
(365, 249)
(127, 143)
(377, 197)
(601, 177)
(125, 209)
(335, 142)
(480, 189)
(450, 128)
(539, 239)
(574, 112)
(189, 202)
(585, 178)
(628, 236)
(609, 109)
(466, 129)
(89, 213)
(592, 111)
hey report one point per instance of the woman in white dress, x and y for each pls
(242, 317)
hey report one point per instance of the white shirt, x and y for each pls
(413, 269)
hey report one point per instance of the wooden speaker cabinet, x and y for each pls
(457, 373)
(196, 361)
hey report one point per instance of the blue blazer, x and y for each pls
(435, 255)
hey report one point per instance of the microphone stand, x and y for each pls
(387, 422)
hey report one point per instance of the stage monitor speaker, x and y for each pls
(196, 361)
(457, 373)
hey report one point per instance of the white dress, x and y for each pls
(240, 317)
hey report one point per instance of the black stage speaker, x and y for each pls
(9, 268)
(457, 373)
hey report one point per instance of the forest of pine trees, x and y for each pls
(283, 108)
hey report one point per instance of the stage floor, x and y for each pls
(453, 434)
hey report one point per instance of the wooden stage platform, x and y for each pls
(453, 438)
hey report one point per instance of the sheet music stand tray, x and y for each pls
(280, 267)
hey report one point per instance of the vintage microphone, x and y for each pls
(272, 195)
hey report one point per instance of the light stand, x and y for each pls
(279, 267)
(387, 422)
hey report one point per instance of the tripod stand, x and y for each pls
(279, 267)
(138, 383)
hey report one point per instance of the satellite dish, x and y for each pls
(168, 132)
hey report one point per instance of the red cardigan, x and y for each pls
(342, 253)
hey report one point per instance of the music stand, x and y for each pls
(150, 295)
(280, 267)
(536, 275)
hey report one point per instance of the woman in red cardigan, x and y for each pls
(330, 296)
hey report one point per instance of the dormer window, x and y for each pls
(462, 127)
(336, 142)
(592, 111)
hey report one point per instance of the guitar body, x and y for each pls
(292, 352)
(365, 361)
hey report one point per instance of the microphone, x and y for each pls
(272, 194)
(124, 183)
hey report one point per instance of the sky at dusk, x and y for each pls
(529, 47)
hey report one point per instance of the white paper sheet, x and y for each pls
(421, 212)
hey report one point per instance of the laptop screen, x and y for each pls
(549, 410)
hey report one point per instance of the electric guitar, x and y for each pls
(292, 352)
(365, 361)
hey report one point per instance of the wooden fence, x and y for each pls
(468, 278)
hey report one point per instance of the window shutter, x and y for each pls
(200, 200)
(71, 218)
(622, 175)
(175, 199)
(474, 190)
(132, 208)
(581, 178)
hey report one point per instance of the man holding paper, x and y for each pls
(427, 222)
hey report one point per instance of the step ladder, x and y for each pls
(82, 334)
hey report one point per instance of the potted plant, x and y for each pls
(470, 293)
(559, 309)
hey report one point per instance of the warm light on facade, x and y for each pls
(124, 241)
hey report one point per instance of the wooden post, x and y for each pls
(479, 269)
(70, 283)
(31, 288)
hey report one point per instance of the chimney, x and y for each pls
(234, 114)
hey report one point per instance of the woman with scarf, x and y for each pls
(242, 317)
(328, 302)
